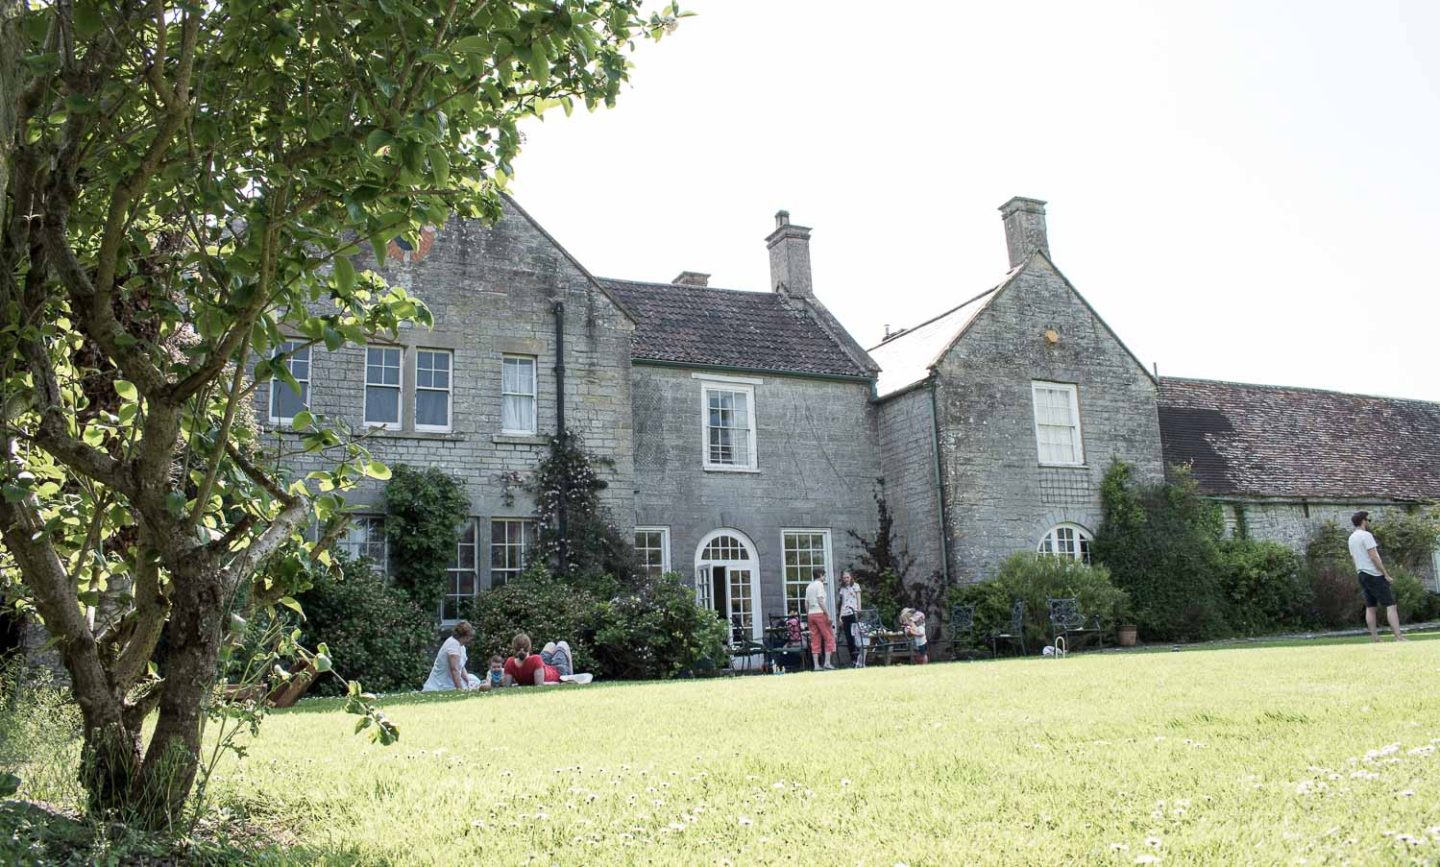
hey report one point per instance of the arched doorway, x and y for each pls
(727, 581)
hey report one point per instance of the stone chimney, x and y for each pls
(790, 257)
(691, 278)
(1024, 228)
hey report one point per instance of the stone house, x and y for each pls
(745, 431)
(998, 417)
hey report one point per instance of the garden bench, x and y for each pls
(1067, 620)
(1014, 633)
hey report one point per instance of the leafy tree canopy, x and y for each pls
(185, 183)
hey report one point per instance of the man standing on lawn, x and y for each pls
(1374, 581)
(817, 612)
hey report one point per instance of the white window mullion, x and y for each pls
(727, 425)
(652, 545)
(433, 378)
(1057, 423)
(285, 403)
(518, 392)
(382, 386)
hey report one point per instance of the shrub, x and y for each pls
(1162, 545)
(1035, 579)
(1415, 602)
(655, 629)
(376, 633)
(1265, 586)
(424, 511)
(540, 605)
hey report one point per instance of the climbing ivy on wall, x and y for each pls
(575, 532)
(424, 511)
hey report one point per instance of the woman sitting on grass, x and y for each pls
(449, 672)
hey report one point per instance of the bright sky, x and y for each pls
(1244, 190)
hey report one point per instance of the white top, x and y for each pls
(1361, 544)
(815, 601)
(849, 599)
(440, 678)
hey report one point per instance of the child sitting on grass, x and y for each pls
(912, 623)
(496, 675)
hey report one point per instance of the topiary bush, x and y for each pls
(655, 629)
(540, 605)
(1035, 579)
(1162, 545)
(1265, 585)
(376, 633)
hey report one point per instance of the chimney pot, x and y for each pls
(790, 257)
(691, 278)
(1024, 228)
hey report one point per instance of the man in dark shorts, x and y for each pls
(1374, 580)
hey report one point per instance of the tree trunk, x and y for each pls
(172, 759)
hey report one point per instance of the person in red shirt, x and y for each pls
(528, 669)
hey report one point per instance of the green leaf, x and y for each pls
(293, 604)
(126, 390)
(175, 503)
(440, 165)
(302, 420)
(344, 275)
(377, 470)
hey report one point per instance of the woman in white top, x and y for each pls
(449, 672)
(850, 615)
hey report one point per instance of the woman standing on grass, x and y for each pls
(449, 672)
(850, 614)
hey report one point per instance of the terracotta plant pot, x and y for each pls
(1127, 634)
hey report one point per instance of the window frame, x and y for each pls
(534, 394)
(1084, 539)
(527, 544)
(381, 565)
(275, 381)
(664, 546)
(1078, 433)
(829, 566)
(753, 458)
(449, 391)
(472, 523)
(399, 388)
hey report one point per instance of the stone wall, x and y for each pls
(906, 432)
(1000, 498)
(816, 455)
(492, 292)
(1293, 524)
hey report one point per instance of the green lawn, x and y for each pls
(1257, 756)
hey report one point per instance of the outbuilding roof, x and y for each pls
(711, 327)
(1300, 443)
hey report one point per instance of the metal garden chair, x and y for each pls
(1014, 633)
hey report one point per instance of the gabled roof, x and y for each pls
(1300, 443)
(709, 327)
(535, 224)
(906, 358)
